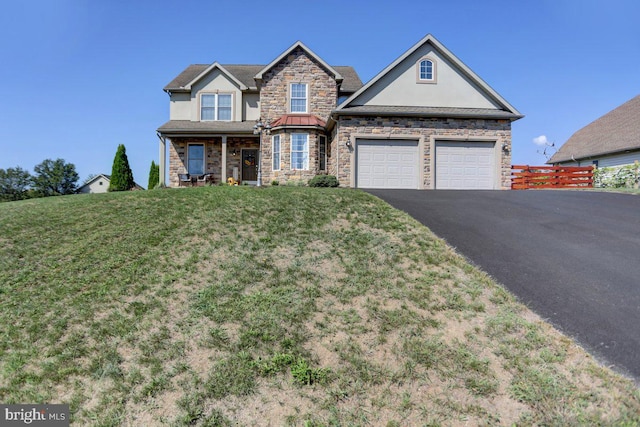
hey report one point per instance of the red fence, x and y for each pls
(534, 177)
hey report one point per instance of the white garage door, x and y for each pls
(465, 165)
(386, 164)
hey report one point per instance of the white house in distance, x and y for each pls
(611, 140)
(426, 121)
(99, 184)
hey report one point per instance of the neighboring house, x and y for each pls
(425, 121)
(611, 140)
(99, 184)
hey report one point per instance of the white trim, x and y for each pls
(306, 97)
(305, 165)
(273, 152)
(434, 67)
(216, 107)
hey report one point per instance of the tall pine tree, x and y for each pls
(121, 175)
(154, 176)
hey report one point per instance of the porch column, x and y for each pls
(163, 160)
(223, 166)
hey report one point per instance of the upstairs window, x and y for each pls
(426, 70)
(298, 98)
(215, 106)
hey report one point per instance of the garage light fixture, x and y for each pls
(348, 144)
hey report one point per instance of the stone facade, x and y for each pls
(425, 128)
(297, 67)
(213, 156)
(286, 173)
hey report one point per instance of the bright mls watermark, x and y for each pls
(34, 415)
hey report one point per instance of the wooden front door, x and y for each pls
(249, 165)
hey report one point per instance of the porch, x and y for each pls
(210, 161)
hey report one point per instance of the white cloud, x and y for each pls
(541, 140)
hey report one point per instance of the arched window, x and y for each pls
(427, 70)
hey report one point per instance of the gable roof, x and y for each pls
(488, 90)
(616, 131)
(107, 178)
(309, 52)
(210, 68)
(245, 74)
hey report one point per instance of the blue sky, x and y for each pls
(80, 77)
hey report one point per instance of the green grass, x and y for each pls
(282, 305)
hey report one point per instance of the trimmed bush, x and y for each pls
(121, 175)
(324, 181)
(154, 176)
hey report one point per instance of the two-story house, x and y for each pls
(425, 121)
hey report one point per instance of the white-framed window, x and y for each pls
(299, 151)
(298, 98)
(426, 69)
(215, 106)
(322, 153)
(275, 146)
(195, 159)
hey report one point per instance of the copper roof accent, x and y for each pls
(616, 131)
(293, 120)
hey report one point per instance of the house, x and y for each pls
(426, 121)
(99, 184)
(611, 140)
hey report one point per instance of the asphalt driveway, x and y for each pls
(571, 256)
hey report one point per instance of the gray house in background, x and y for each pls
(611, 140)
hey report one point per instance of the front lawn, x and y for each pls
(273, 306)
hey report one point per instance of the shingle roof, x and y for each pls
(384, 110)
(245, 74)
(616, 131)
(187, 127)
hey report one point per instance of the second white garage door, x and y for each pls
(465, 165)
(387, 164)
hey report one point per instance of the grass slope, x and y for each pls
(273, 306)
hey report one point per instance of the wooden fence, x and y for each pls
(538, 177)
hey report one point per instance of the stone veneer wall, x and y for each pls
(286, 174)
(213, 155)
(274, 102)
(426, 127)
(297, 67)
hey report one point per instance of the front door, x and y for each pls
(249, 165)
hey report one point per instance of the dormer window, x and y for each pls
(298, 98)
(215, 106)
(426, 71)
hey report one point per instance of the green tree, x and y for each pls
(55, 178)
(14, 184)
(154, 176)
(121, 175)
